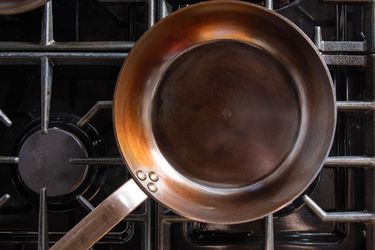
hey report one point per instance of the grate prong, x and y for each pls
(92, 112)
(355, 217)
(4, 119)
(346, 60)
(151, 13)
(47, 25)
(269, 239)
(355, 106)
(269, 4)
(350, 161)
(46, 89)
(96, 161)
(8, 160)
(85, 203)
(4, 199)
(43, 221)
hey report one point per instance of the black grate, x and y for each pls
(74, 48)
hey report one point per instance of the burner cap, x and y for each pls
(44, 162)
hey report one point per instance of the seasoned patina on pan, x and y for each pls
(8, 7)
(224, 112)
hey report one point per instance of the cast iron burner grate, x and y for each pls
(44, 162)
(77, 59)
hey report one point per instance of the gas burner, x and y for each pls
(79, 62)
(44, 162)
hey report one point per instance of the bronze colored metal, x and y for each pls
(8, 7)
(224, 112)
(230, 105)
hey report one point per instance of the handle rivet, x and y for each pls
(153, 176)
(152, 187)
(141, 175)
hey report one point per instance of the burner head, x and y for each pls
(44, 162)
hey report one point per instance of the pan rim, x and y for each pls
(20, 8)
(331, 128)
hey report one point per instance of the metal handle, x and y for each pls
(103, 218)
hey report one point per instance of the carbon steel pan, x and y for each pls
(229, 106)
(19, 6)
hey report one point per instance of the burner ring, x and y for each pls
(44, 162)
(84, 138)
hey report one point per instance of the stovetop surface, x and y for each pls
(91, 39)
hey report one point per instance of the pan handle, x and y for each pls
(103, 218)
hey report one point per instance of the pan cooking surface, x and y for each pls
(226, 113)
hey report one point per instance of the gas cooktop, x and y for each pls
(59, 159)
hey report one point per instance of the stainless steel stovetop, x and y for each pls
(58, 67)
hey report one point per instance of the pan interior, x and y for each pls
(226, 113)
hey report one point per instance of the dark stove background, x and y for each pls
(92, 38)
